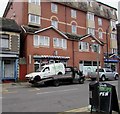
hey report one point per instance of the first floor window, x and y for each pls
(4, 41)
(60, 43)
(96, 48)
(84, 46)
(41, 41)
(34, 19)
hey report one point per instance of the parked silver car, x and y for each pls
(104, 74)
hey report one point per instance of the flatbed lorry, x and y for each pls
(71, 75)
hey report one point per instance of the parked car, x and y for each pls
(104, 74)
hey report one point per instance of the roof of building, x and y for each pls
(83, 6)
(9, 25)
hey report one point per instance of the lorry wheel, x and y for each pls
(116, 77)
(56, 83)
(81, 81)
(103, 78)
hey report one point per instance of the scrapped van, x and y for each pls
(46, 72)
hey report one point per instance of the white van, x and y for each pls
(46, 72)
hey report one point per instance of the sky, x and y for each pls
(113, 3)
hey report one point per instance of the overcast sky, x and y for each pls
(113, 3)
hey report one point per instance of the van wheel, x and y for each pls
(116, 77)
(81, 81)
(56, 83)
(60, 73)
(103, 78)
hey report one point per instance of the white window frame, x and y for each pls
(99, 21)
(54, 23)
(37, 2)
(113, 36)
(90, 16)
(101, 7)
(91, 31)
(54, 8)
(35, 17)
(84, 46)
(114, 50)
(4, 41)
(74, 29)
(73, 13)
(41, 41)
(59, 43)
(36, 40)
(98, 46)
(113, 24)
(100, 34)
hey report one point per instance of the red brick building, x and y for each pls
(67, 32)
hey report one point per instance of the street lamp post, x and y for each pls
(107, 53)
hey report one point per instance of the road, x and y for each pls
(25, 98)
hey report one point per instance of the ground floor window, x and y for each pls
(38, 63)
(88, 66)
(9, 69)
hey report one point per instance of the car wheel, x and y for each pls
(103, 78)
(116, 77)
(56, 83)
(81, 81)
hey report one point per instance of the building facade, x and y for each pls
(75, 33)
(9, 49)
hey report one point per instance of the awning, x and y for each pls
(8, 56)
(49, 57)
(111, 61)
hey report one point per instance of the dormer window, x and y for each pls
(101, 7)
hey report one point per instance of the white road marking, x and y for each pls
(57, 91)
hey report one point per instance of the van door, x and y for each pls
(46, 72)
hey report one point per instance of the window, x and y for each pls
(95, 48)
(4, 41)
(101, 7)
(73, 13)
(41, 40)
(34, 19)
(113, 36)
(100, 34)
(91, 31)
(54, 8)
(99, 21)
(90, 16)
(36, 40)
(74, 29)
(54, 23)
(60, 43)
(44, 41)
(83, 46)
(113, 24)
(114, 50)
(37, 2)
